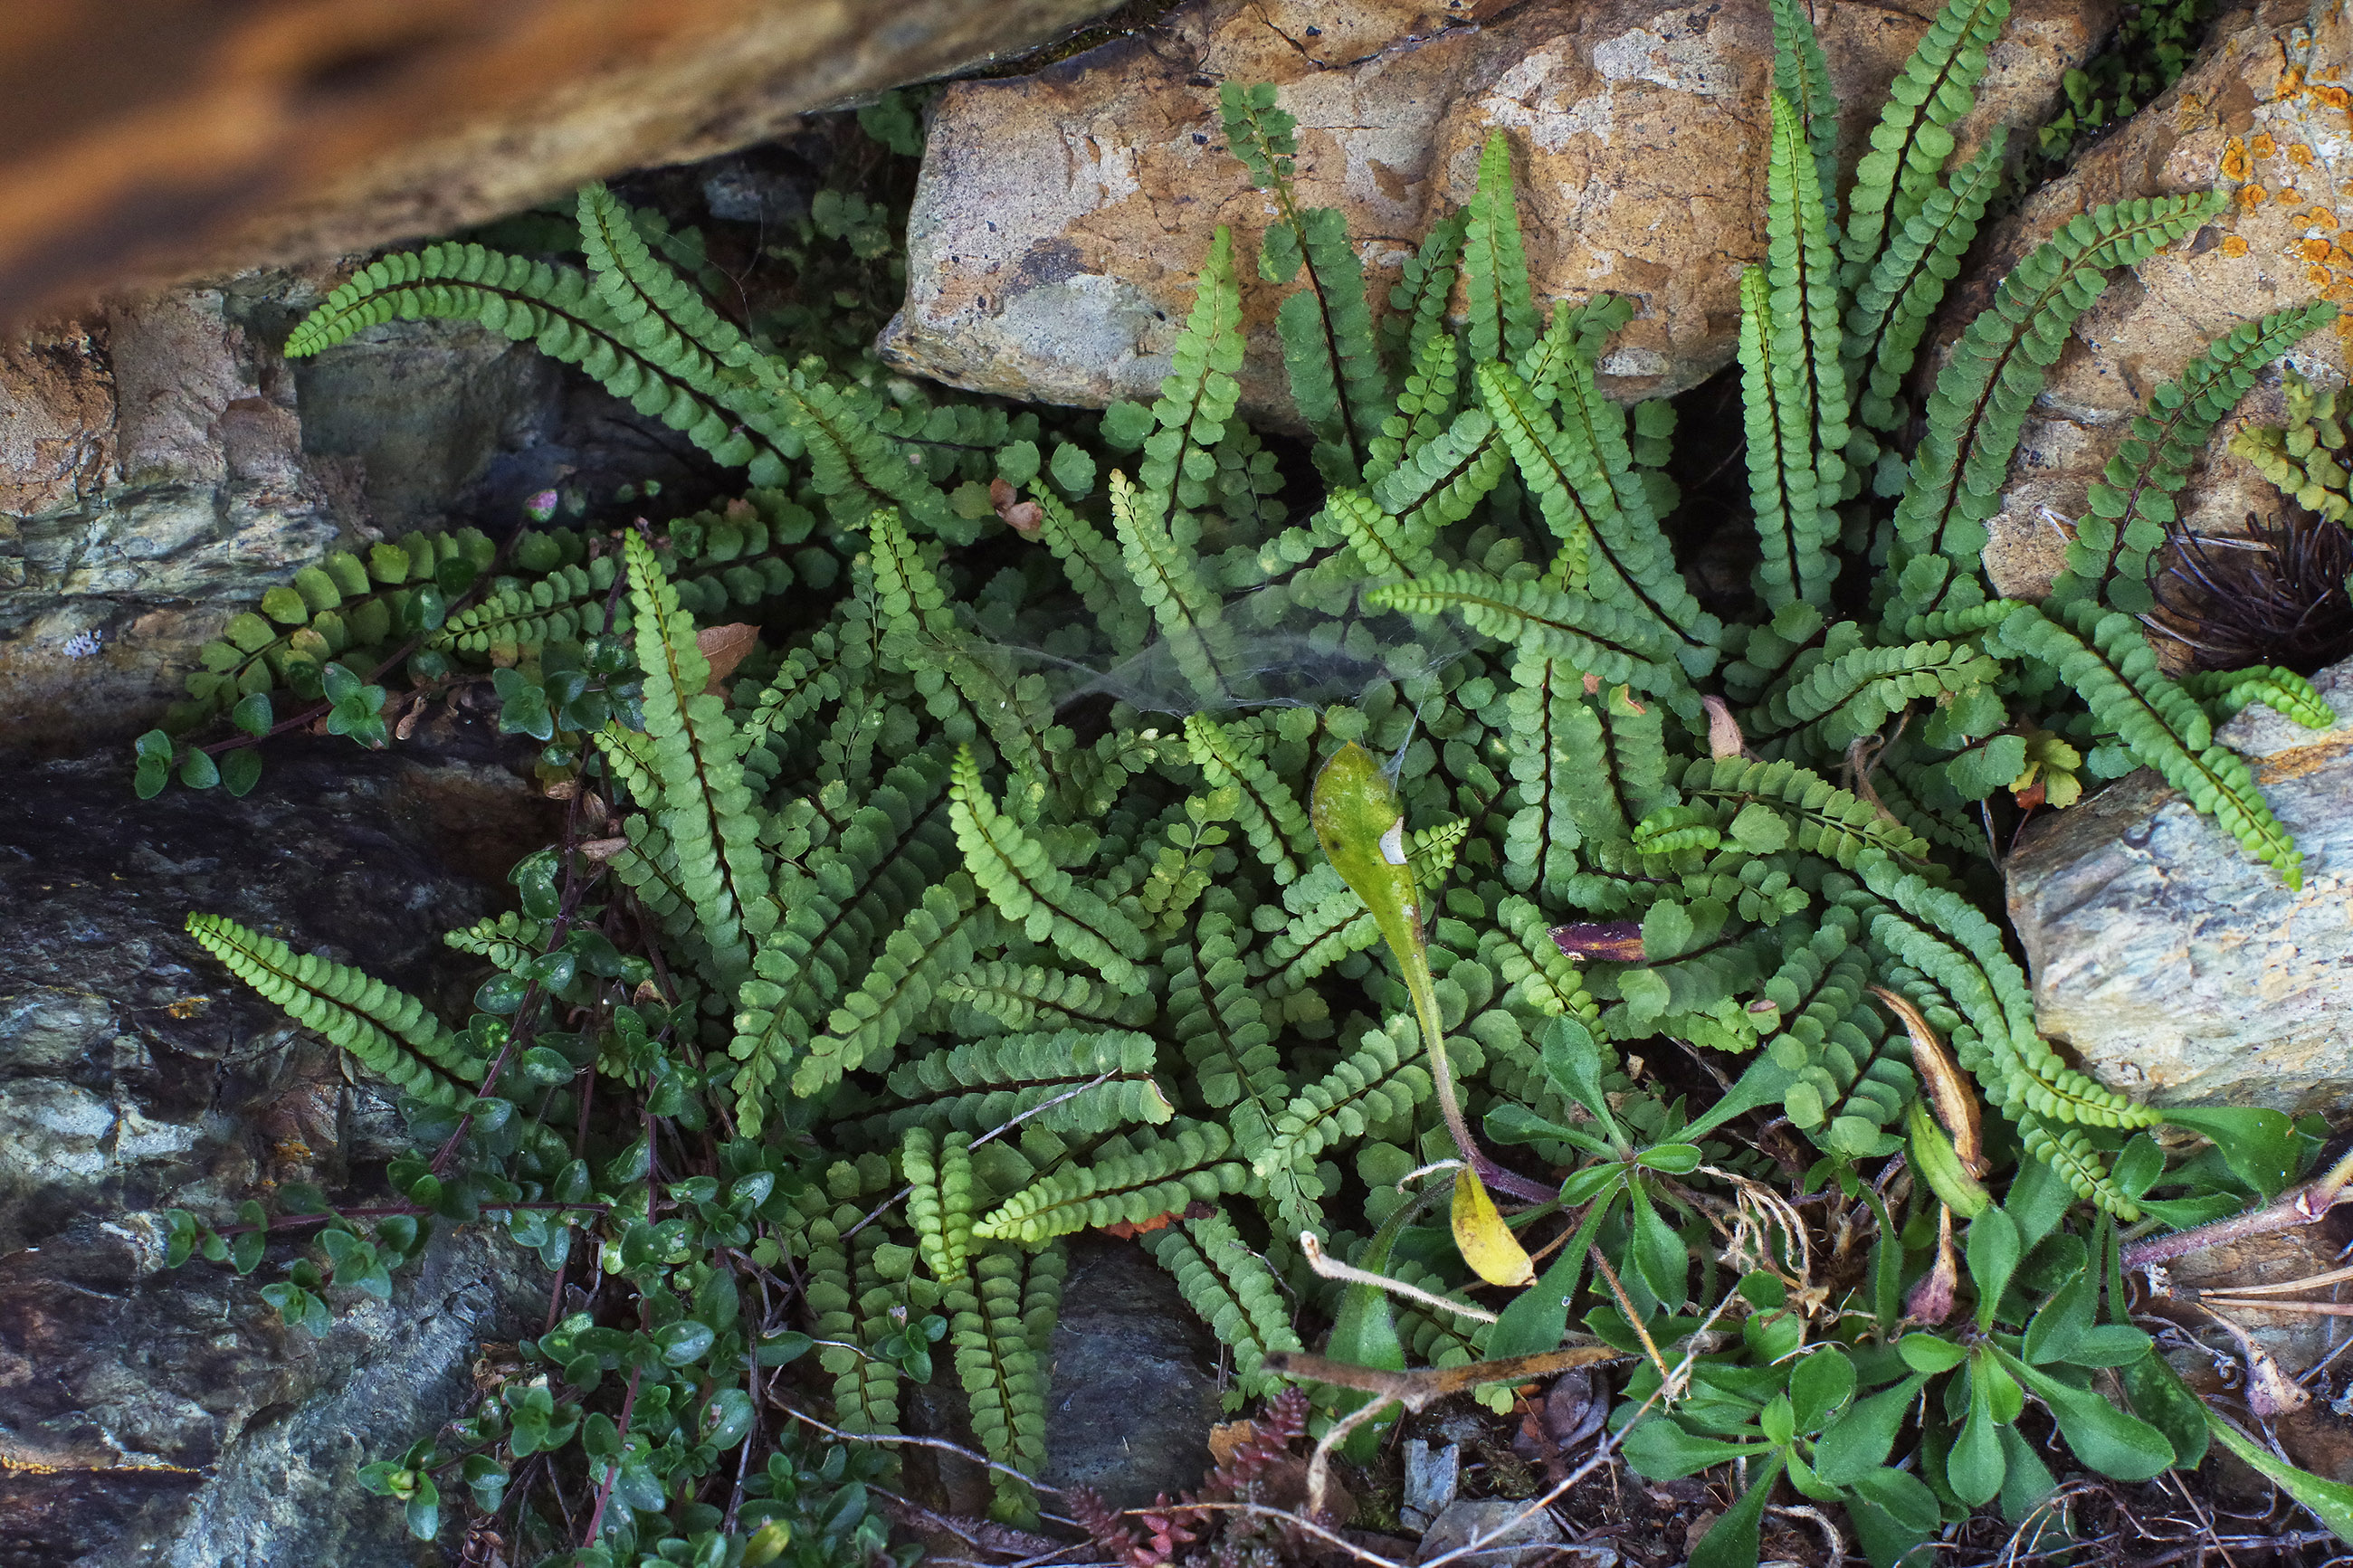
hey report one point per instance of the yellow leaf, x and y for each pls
(1486, 1243)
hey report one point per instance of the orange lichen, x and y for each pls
(2318, 277)
(2233, 246)
(2300, 156)
(2234, 160)
(2290, 195)
(2262, 146)
(2253, 196)
(2334, 97)
(2316, 249)
(2321, 217)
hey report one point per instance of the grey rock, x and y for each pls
(1133, 1393)
(166, 1416)
(424, 406)
(1431, 1476)
(2177, 968)
(161, 467)
(1535, 1537)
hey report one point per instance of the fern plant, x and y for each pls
(942, 959)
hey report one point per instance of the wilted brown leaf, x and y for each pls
(1023, 517)
(725, 647)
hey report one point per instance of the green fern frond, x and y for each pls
(1897, 298)
(2222, 693)
(1190, 616)
(1097, 1081)
(389, 1032)
(1801, 73)
(2117, 674)
(1956, 479)
(1232, 1290)
(1001, 1328)
(940, 1189)
(1032, 892)
(2131, 506)
(1810, 382)
(1268, 812)
(1613, 645)
(1912, 139)
(2069, 1151)
(1168, 1172)
(1504, 323)
(935, 943)
(1019, 997)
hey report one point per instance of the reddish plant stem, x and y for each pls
(605, 1491)
(2303, 1207)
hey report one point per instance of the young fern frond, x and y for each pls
(389, 1032)
(1810, 382)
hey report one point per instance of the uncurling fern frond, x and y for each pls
(389, 1032)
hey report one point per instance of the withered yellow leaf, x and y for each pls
(1486, 1243)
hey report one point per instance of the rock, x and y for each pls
(2295, 1340)
(1134, 1395)
(164, 467)
(1061, 217)
(155, 144)
(2261, 114)
(1536, 1537)
(2179, 970)
(1430, 1480)
(166, 1416)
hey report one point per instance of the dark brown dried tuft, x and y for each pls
(2276, 596)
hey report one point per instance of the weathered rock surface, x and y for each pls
(1523, 1544)
(1062, 217)
(2179, 969)
(1133, 1397)
(160, 466)
(151, 1416)
(2262, 114)
(147, 143)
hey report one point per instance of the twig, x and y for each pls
(1331, 1268)
(2300, 1208)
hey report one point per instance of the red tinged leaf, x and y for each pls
(1618, 941)
(1126, 1229)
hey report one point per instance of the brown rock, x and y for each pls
(1061, 217)
(57, 418)
(148, 141)
(2262, 114)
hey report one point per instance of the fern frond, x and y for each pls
(1912, 139)
(1444, 478)
(389, 1032)
(1379, 1084)
(1190, 616)
(2110, 666)
(1801, 73)
(1001, 1330)
(2131, 506)
(1783, 485)
(1032, 892)
(1956, 479)
(1223, 1027)
(1232, 1290)
(1270, 814)
(1897, 298)
(2224, 692)
(1098, 1080)
(1504, 323)
(1094, 565)
(1167, 1173)
(557, 308)
(2069, 1151)
(940, 1199)
(1024, 996)
(1612, 644)
(1801, 270)
(1828, 821)
(1856, 693)
(935, 943)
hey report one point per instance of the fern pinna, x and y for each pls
(1055, 952)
